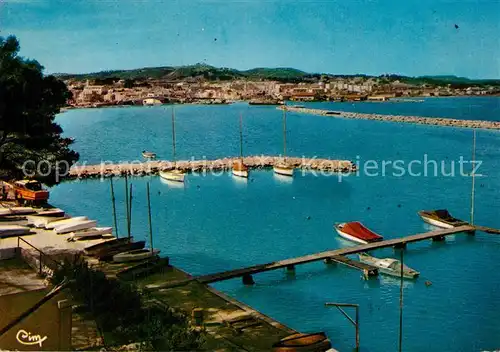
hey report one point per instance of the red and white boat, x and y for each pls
(357, 232)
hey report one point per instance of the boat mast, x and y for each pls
(284, 131)
(130, 212)
(473, 174)
(401, 304)
(127, 213)
(150, 225)
(173, 135)
(114, 207)
(241, 138)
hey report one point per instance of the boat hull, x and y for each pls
(132, 256)
(283, 170)
(92, 232)
(436, 222)
(349, 237)
(240, 173)
(175, 176)
(408, 273)
(64, 222)
(82, 225)
(317, 342)
(108, 253)
(112, 243)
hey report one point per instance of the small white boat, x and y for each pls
(173, 175)
(54, 212)
(92, 232)
(389, 266)
(42, 221)
(75, 226)
(22, 210)
(356, 232)
(148, 155)
(282, 169)
(13, 230)
(5, 212)
(441, 218)
(138, 254)
(54, 224)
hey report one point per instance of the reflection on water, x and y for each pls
(239, 181)
(172, 184)
(283, 179)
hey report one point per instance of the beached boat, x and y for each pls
(92, 232)
(441, 218)
(13, 230)
(315, 342)
(357, 232)
(42, 221)
(5, 212)
(75, 226)
(239, 168)
(282, 168)
(148, 155)
(30, 191)
(115, 242)
(138, 254)
(63, 222)
(108, 253)
(52, 212)
(389, 266)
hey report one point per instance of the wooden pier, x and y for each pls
(246, 273)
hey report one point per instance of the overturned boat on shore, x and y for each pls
(108, 253)
(110, 244)
(356, 232)
(315, 342)
(134, 255)
(441, 218)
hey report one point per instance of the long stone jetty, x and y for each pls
(437, 121)
(107, 169)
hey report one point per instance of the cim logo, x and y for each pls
(26, 338)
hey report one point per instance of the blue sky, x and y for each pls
(351, 36)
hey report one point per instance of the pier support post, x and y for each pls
(329, 261)
(438, 238)
(471, 233)
(248, 279)
(290, 268)
(400, 245)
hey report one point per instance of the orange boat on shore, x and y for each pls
(315, 342)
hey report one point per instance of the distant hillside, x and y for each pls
(283, 74)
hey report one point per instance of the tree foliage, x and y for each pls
(29, 102)
(121, 311)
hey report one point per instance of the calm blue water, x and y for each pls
(217, 223)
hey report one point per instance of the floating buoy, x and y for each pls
(368, 208)
(198, 186)
(399, 205)
(308, 218)
(428, 283)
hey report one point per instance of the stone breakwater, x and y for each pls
(204, 166)
(437, 121)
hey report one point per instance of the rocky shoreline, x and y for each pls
(204, 166)
(436, 121)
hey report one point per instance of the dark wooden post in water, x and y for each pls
(114, 207)
(127, 214)
(284, 131)
(149, 216)
(241, 138)
(248, 279)
(401, 306)
(130, 212)
(473, 174)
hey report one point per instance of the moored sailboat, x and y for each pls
(239, 168)
(148, 155)
(174, 174)
(281, 167)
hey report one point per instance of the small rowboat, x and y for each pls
(75, 226)
(138, 254)
(282, 169)
(13, 230)
(108, 253)
(42, 221)
(357, 232)
(173, 175)
(389, 266)
(92, 232)
(316, 342)
(441, 218)
(115, 242)
(54, 224)
(53, 212)
(148, 155)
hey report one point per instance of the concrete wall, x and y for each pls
(46, 329)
